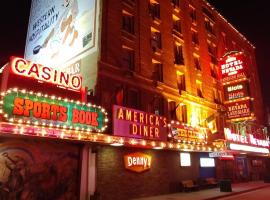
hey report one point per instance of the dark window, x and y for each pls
(181, 82)
(195, 38)
(213, 71)
(199, 89)
(155, 40)
(177, 25)
(154, 9)
(128, 23)
(176, 3)
(172, 110)
(209, 26)
(193, 15)
(178, 55)
(133, 99)
(158, 72)
(128, 59)
(129, 2)
(197, 63)
(184, 113)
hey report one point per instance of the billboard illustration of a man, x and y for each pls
(63, 31)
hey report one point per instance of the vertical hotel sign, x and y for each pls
(232, 67)
(66, 34)
(133, 123)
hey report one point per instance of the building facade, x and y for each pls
(160, 100)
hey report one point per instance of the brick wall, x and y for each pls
(115, 182)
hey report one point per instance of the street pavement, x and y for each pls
(211, 194)
(261, 194)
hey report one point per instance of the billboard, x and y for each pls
(236, 91)
(64, 34)
(238, 109)
(133, 123)
(232, 67)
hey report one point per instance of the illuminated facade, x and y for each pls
(164, 60)
(157, 109)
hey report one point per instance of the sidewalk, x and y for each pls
(211, 194)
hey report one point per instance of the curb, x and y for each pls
(236, 193)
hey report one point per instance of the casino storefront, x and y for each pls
(55, 144)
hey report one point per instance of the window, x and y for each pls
(155, 39)
(176, 3)
(215, 95)
(220, 96)
(209, 26)
(181, 82)
(154, 9)
(176, 25)
(128, 58)
(224, 40)
(185, 160)
(197, 62)
(212, 51)
(213, 71)
(158, 71)
(127, 22)
(183, 111)
(133, 100)
(178, 55)
(192, 15)
(129, 2)
(207, 162)
(199, 88)
(172, 110)
(156, 105)
(195, 38)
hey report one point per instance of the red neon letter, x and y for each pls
(28, 107)
(18, 106)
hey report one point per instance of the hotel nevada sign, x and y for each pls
(133, 123)
(245, 139)
(30, 70)
(232, 66)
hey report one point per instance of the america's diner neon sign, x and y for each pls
(22, 67)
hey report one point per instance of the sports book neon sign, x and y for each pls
(22, 67)
(24, 107)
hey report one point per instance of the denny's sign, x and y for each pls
(137, 162)
(27, 69)
(137, 124)
(26, 107)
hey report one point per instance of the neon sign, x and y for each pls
(186, 133)
(245, 139)
(238, 109)
(232, 67)
(137, 124)
(235, 91)
(22, 67)
(137, 162)
(29, 108)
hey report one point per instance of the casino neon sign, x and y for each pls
(29, 108)
(24, 68)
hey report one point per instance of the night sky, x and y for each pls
(250, 17)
